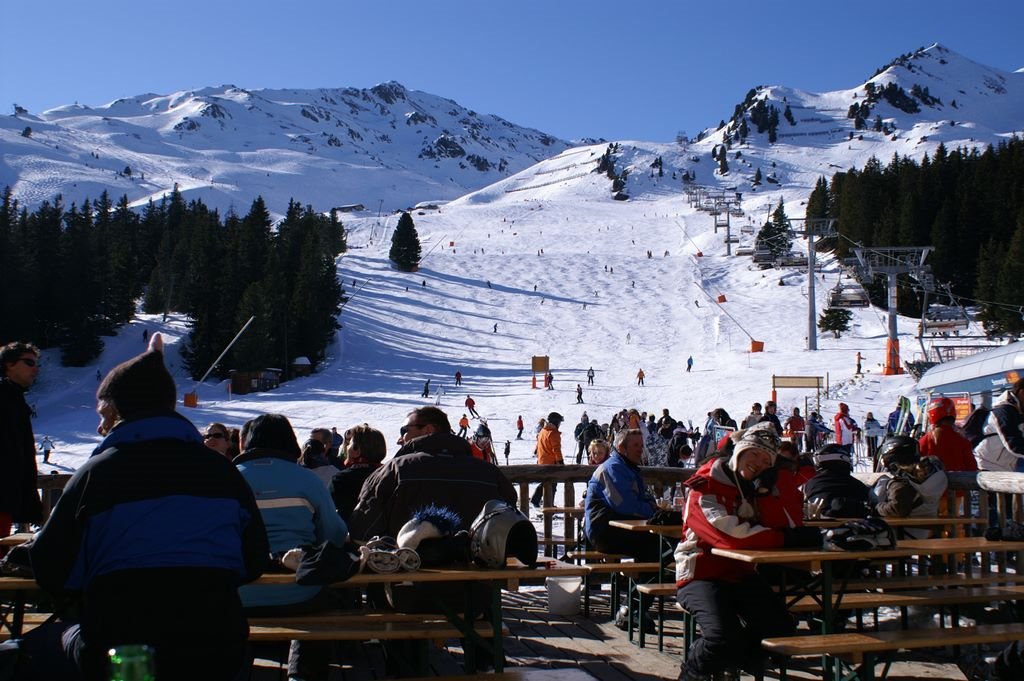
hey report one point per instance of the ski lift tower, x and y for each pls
(723, 200)
(820, 228)
(893, 261)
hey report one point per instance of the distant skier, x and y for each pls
(471, 406)
(590, 376)
(495, 327)
(463, 426)
(519, 426)
(579, 394)
(458, 378)
(689, 363)
(640, 377)
(859, 358)
(426, 389)
(550, 380)
(46, 446)
(508, 450)
(629, 337)
(145, 335)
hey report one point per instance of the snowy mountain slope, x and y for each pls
(325, 147)
(482, 263)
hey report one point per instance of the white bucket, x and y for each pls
(564, 595)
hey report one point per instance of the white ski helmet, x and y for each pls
(500, 531)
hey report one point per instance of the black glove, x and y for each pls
(764, 483)
(801, 538)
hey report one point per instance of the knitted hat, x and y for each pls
(140, 385)
(555, 418)
(762, 436)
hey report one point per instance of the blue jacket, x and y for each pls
(297, 509)
(155, 532)
(616, 491)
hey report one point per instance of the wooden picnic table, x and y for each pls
(19, 588)
(16, 539)
(824, 560)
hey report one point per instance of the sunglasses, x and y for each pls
(215, 436)
(28, 361)
(405, 429)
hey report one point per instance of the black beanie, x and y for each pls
(139, 386)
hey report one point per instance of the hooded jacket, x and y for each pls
(712, 519)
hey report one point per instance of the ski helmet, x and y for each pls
(501, 530)
(832, 454)
(898, 450)
(940, 408)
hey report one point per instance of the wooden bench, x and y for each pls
(867, 600)
(861, 648)
(343, 625)
(346, 625)
(362, 626)
(627, 569)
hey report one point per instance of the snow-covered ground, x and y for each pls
(563, 271)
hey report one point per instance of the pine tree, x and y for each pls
(836, 320)
(405, 245)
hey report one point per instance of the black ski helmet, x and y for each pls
(832, 455)
(898, 450)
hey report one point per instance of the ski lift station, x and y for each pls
(983, 374)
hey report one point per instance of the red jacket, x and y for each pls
(711, 521)
(952, 448)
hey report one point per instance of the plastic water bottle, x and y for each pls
(131, 663)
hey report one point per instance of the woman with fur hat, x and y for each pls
(734, 606)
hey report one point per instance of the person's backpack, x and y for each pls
(974, 426)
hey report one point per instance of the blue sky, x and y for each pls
(639, 70)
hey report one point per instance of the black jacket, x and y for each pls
(19, 492)
(842, 495)
(433, 469)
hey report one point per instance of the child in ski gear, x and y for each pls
(833, 490)
(914, 485)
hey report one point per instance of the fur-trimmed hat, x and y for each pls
(762, 436)
(140, 385)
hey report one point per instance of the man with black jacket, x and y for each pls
(19, 498)
(433, 467)
(152, 538)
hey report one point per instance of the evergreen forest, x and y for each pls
(968, 204)
(70, 275)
